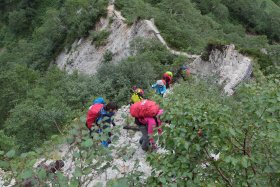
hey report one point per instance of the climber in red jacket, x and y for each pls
(168, 78)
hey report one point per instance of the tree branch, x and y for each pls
(219, 170)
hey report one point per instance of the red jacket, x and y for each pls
(167, 78)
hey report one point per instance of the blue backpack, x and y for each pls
(99, 100)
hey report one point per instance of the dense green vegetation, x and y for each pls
(259, 16)
(191, 25)
(32, 33)
(51, 106)
(39, 101)
(49, 27)
(244, 129)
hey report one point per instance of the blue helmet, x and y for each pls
(184, 67)
(98, 100)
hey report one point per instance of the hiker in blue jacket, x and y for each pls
(160, 87)
(104, 118)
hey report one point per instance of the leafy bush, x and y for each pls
(213, 45)
(99, 38)
(185, 28)
(7, 143)
(53, 28)
(276, 2)
(16, 81)
(108, 56)
(152, 51)
(179, 22)
(32, 122)
(18, 21)
(261, 16)
(262, 59)
(80, 17)
(243, 130)
(117, 80)
(47, 108)
(273, 52)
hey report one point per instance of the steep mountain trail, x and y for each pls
(227, 65)
(153, 28)
(128, 155)
(230, 67)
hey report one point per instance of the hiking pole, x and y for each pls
(128, 127)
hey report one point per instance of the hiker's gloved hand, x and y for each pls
(92, 128)
(154, 147)
(113, 123)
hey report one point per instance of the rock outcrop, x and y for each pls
(127, 156)
(227, 64)
(85, 57)
(3, 175)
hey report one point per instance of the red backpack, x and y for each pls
(93, 113)
(144, 108)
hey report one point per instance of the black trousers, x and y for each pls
(144, 140)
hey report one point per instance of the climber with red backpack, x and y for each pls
(167, 76)
(147, 114)
(183, 72)
(101, 115)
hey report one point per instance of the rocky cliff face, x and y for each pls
(128, 156)
(85, 56)
(131, 160)
(227, 65)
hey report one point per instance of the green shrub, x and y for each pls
(46, 108)
(32, 122)
(243, 129)
(18, 21)
(16, 81)
(179, 22)
(99, 38)
(117, 80)
(7, 143)
(262, 59)
(213, 45)
(108, 56)
(152, 51)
